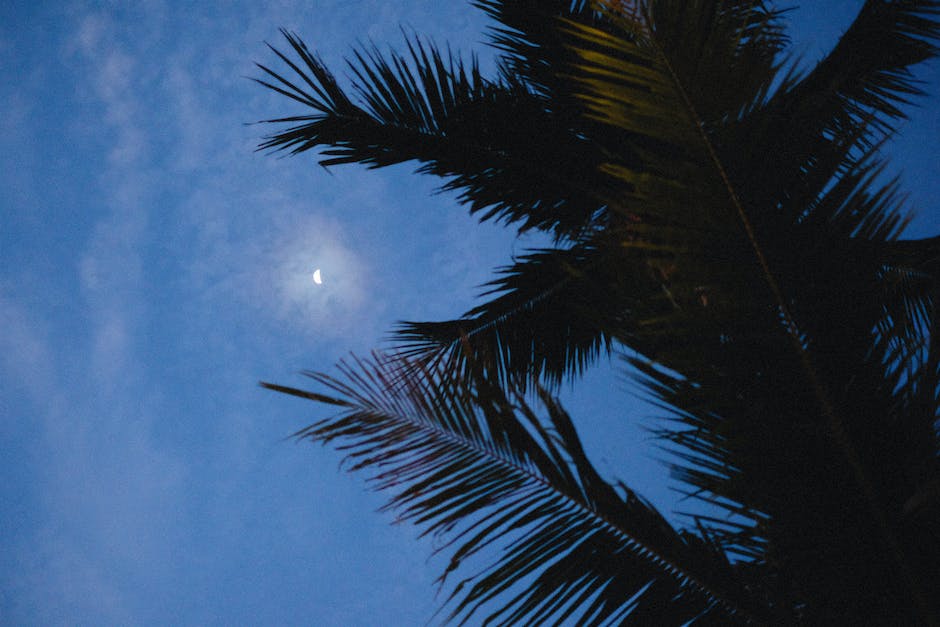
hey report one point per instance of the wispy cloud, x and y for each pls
(25, 358)
(58, 582)
(108, 491)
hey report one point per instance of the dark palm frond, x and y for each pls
(849, 101)
(854, 213)
(437, 110)
(555, 311)
(922, 256)
(725, 53)
(548, 318)
(465, 459)
(540, 326)
(747, 440)
(405, 105)
(526, 34)
(851, 201)
(866, 77)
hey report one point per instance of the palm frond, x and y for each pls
(435, 109)
(866, 78)
(725, 53)
(466, 460)
(548, 318)
(527, 36)
(554, 312)
(848, 103)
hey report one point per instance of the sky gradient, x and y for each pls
(154, 268)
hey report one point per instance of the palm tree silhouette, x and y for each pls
(721, 221)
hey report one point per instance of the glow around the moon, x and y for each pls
(316, 277)
(283, 280)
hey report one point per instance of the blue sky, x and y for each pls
(154, 268)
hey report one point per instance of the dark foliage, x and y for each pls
(722, 219)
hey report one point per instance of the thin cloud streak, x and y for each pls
(109, 493)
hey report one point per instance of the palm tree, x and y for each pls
(721, 221)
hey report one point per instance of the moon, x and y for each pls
(316, 277)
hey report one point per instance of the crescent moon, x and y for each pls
(316, 277)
